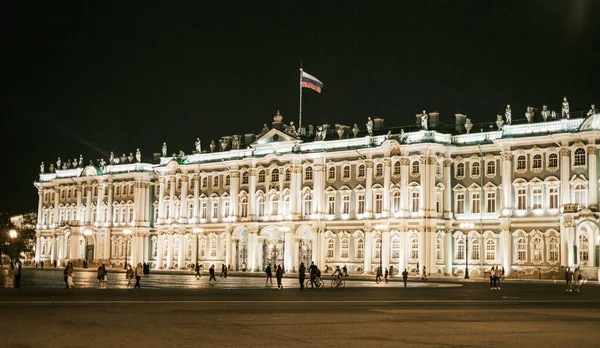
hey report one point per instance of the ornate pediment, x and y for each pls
(274, 136)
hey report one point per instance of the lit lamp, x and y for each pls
(466, 226)
(197, 231)
(13, 235)
(126, 233)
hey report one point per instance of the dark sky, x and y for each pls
(84, 77)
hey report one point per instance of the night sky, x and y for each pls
(90, 78)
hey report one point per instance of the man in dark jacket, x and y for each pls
(279, 276)
(269, 273)
(314, 271)
(405, 277)
(302, 275)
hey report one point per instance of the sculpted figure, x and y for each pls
(508, 114)
(51, 168)
(265, 128)
(42, 168)
(369, 126)
(80, 160)
(75, 163)
(58, 163)
(164, 150)
(424, 119)
(212, 146)
(529, 114)
(292, 128)
(592, 110)
(130, 157)
(138, 155)
(198, 145)
(545, 112)
(111, 159)
(355, 130)
(565, 108)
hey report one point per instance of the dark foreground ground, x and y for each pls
(242, 312)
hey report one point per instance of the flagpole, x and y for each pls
(300, 110)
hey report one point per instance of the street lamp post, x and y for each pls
(126, 233)
(13, 235)
(197, 231)
(467, 226)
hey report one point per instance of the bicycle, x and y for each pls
(338, 282)
(318, 283)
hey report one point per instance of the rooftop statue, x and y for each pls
(197, 145)
(42, 168)
(529, 114)
(80, 160)
(164, 149)
(319, 133)
(592, 110)
(75, 163)
(369, 126)
(51, 168)
(565, 108)
(123, 157)
(65, 166)
(545, 112)
(138, 155)
(424, 119)
(508, 114)
(355, 130)
(111, 159)
(102, 164)
(212, 145)
(68, 164)
(499, 122)
(468, 125)
(130, 157)
(265, 129)
(58, 163)
(292, 128)
(235, 141)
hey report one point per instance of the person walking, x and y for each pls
(391, 271)
(279, 276)
(66, 275)
(386, 275)
(222, 271)
(345, 270)
(139, 272)
(99, 276)
(492, 279)
(198, 276)
(129, 275)
(71, 272)
(269, 273)
(569, 279)
(405, 277)
(424, 276)
(378, 275)
(104, 277)
(577, 279)
(17, 275)
(497, 276)
(211, 271)
(302, 275)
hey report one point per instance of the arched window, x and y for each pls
(397, 168)
(275, 175)
(414, 248)
(583, 250)
(395, 248)
(227, 180)
(475, 169)
(396, 202)
(261, 176)
(245, 178)
(537, 162)
(344, 246)
(377, 248)
(460, 170)
(491, 168)
(553, 160)
(415, 167)
(243, 207)
(274, 204)
(213, 247)
(521, 249)
(521, 162)
(580, 194)
(580, 156)
(330, 248)
(553, 249)
(361, 171)
(490, 250)
(260, 205)
(346, 172)
(379, 169)
(308, 173)
(331, 173)
(360, 248)
(307, 204)
(287, 175)
(475, 249)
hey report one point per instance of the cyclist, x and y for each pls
(338, 272)
(345, 269)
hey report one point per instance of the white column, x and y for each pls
(228, 251)
(295, 256)
(422, 247)
(38, 247)
(565, 169)
(506, 183)
(74, 247)
(54, 246)
(234, 190)
(88, 202)
(259, 253)
(196, 195)
(593, 189)
(315, 246)
(106, 245)
(169, 251)
(161, 200)
(405, 197)
(506, 247)
(296, 190)
(56, 203)
(40, 205)
(369, 188)
(289, 251)
(448, 255)
(322, 250)
(159, 250)
(368, 251)
(317, 188)
(447, 189)
(181, 254)
(424, 188)
(109, 210)
(570, 235)
(387, 164)
(251, 252)
(100, 204)
(252, 198)
(171, 197)
(80, 216)
(385, 250)
(403, 252)
(184, 203)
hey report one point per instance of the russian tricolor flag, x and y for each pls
(309, 81)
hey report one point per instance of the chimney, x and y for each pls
(377, 123)
(460, 122)
(434, 118)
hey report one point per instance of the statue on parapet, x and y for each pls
(508, 114)
(355, 130)
(198, 145)
(102, 164)
(138, 155)
(164, 149)
(565, 108)
(42, 168)
(369, 126)
(545, 112)
(424, 118)
(111, 159)
(75, 162)
(292, 128)
(51, 168)
(58, 163)
(592, 110)
(81, 160)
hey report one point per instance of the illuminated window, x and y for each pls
(490, 250)
(490, 204)
(460, 250)
(377, 247)
(346, 204)
(344, 246)
(245, 176)
(475, 169)
(475, 203)
(287, 175)
(360, 203)
(536, 198)
(475, 249)
(378, 203)
(397, 168)
(414, 248)
(360, 247)
(583, 250)
(331, 205)
(331, 173)
(553, 249)
(491, 168)
(553, 197)
(330, 248)
(460, 170)
(346, 172)
(521, 249)
(415, 167)
(379, 170)
(538, 249)
(361, 171)
(460, 203)
(580, 157)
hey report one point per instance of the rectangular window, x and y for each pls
(460, 203)
(536, 198)
(490, 206)
(330, 248)
(331, 205)
(360, 207)
(226, 208)
(346, 204)
(203, 210)
(344, 248)
(475, 203)
(378, 203)
(553, 198)
(521, 198)
(415, 201)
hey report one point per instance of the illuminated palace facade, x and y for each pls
(520, 196)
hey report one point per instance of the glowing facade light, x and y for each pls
(13, 234)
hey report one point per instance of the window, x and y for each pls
(553, 249)
(580, 195)
(378, 203)
(415, 167)
(346, 171)
(274, 205)
(553, 161)
(203, 209)
(460, 249)
(215, 208)
(287, 175)
(490, 202)
(521, 198)
(245, 178)
(553, 198)
(475, 169)
(307, 204)
(438, 248)
(331, 205)
(538, 249)
(490, 250)
(344, 246)
(379, 170)
(360, 247)
(521, 164)
(330, 248)
(460, 203)
(275, 175)
(521, 249)
(260, 205)
(396, 202)
(261, 176)
(205, 182)
(346, 204)
(244, 207)
(415, 201)
(331, 173)
(475, 203)
(491, 168)
(285, 208)
(438, 202)
(397, 168)
(579, 157)
(537, 162)
(460, 170)
(377, 246)
(536, 198)
(414, 248)
(216, 181)
(583, 250)
(360, 203)
(361, 171)
(308, 173)
(213, 247)
(475, 249)
(226, 203)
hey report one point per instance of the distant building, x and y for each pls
(523, 196)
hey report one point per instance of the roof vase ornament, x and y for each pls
(235, 141)
(212, 144)
(499, 122)
(545, 112)
(130, 157)
(529, 114)
(468, 125)
(292, 129)
(74, 162)
(355, 130)
(123, 157)
(565, 108)
(223, 143)
(339, 130)
(51, 168)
